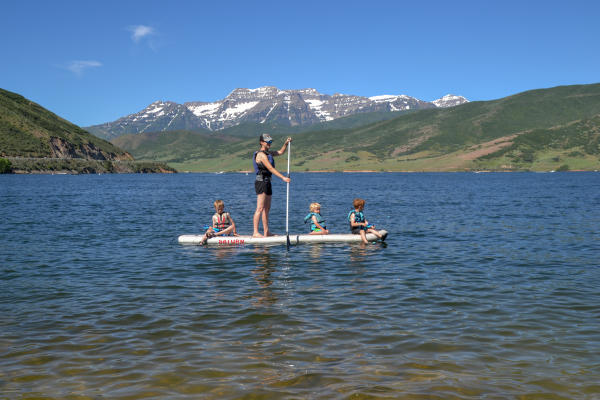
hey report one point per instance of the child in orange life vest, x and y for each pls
(222, 223)
(359, 224)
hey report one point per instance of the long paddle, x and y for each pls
(287, 201)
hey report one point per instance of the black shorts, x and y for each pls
(356, 230)
(263, 187)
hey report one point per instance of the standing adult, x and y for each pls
(264, 166)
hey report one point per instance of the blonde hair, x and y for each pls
(218, 204)
(314, 206)
(358, 203)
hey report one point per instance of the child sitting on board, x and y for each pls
(317, 223)
(222, 223)
(359, 224)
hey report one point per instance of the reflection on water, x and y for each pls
(222, 254)
(264, 268)
(487, 288)
(315, 253)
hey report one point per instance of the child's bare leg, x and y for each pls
(363, 236)
(209, 233)
(204, 239)
(375, 232)
(226, 231)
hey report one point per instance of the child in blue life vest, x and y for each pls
(317, 223)
(359, 224)
(222, 223)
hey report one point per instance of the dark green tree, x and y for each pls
(5, 166)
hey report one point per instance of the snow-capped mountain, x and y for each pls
(264, 104)
(158, 116)
(449, 100)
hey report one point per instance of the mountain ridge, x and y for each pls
(297, 107)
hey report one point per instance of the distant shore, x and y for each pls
(385, 172)
(76, 166)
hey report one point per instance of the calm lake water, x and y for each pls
(488, 287)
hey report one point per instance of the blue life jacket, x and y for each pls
(358, 218)
(320, 220)
(262, 169)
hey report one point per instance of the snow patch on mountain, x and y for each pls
(201, 110)
(237, 109)
(383, 98)
(158, 106)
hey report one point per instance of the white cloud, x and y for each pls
(138, 32)
(77, 67)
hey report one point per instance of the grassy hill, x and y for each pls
(33, 138)
(29, 130)
(183, 148)
(477, 135)
(546, 129)
(178, 146)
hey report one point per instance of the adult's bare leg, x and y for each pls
(265, 216)
(260, 208)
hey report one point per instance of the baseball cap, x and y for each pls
(265, 137)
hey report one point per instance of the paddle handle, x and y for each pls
(287, 201)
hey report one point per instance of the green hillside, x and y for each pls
(27, 129)
(35, 139)
(178, 146)
(545, 129)
(474, 135)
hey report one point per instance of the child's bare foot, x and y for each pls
(257, 235)
(269, 234)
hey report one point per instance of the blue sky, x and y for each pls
(93, 62)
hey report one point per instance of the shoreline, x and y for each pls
(389, 172)
(164, 171)
(37, 172)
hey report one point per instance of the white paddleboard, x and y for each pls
(281, 239)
